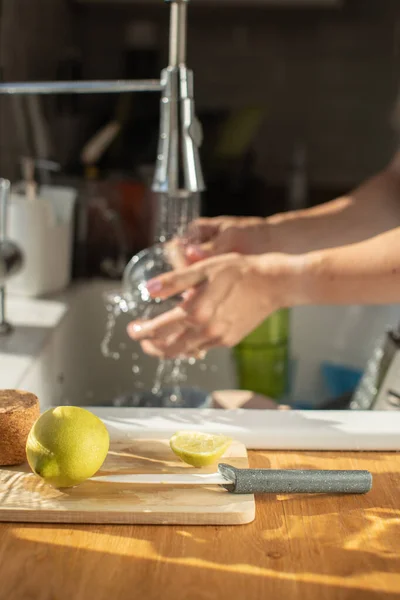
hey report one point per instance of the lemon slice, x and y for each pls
(199, 449)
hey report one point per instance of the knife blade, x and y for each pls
(253, 481)
(164, 479)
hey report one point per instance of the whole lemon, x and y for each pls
(67, 445)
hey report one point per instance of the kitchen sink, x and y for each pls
(72, 369)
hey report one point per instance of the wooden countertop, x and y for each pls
(297, 548)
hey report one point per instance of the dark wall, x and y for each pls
(327, 77)
(33, 33)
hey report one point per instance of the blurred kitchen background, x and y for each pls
(297, 100)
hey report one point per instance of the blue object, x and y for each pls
(339, 379)
(302, 406)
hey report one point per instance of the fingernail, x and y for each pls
(153, 286)
(134, 328)
(188, 294)
(194, 251)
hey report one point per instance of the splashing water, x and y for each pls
(169, 375)
(113, 312)
(175, 214)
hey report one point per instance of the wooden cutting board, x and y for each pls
(25, 498)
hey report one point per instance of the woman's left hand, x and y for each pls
(224, 298)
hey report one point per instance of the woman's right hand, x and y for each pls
(223, 235)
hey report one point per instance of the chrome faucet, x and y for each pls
(178, 170)
(10, 256)
(178, 178)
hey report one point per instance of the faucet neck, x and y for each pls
(177, 33)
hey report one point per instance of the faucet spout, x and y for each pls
(177, 33)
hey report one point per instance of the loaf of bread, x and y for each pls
(18, 412)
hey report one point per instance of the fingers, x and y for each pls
(188, 345)
(199, 239)
(175, 254)
(222, 243)
(197, 330)
(164, 329)
(201, 307)
(177, 282)
(200, 321)
(162, 326)
(153, 350)
(196, 253)
(202, 230)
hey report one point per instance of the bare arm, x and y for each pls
(372, 208)
(364, 273)
(369, 210)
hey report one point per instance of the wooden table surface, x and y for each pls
(298, 547)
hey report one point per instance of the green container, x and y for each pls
(262, 358)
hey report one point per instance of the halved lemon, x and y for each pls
(199, 449)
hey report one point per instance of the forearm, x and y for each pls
(364, 273)
(369, 210)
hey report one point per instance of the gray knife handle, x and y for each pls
(299, 481)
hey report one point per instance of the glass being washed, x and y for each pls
(146, 265)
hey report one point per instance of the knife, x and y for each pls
(259, 481)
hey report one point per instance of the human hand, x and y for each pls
(222, 235)
(225, 298)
